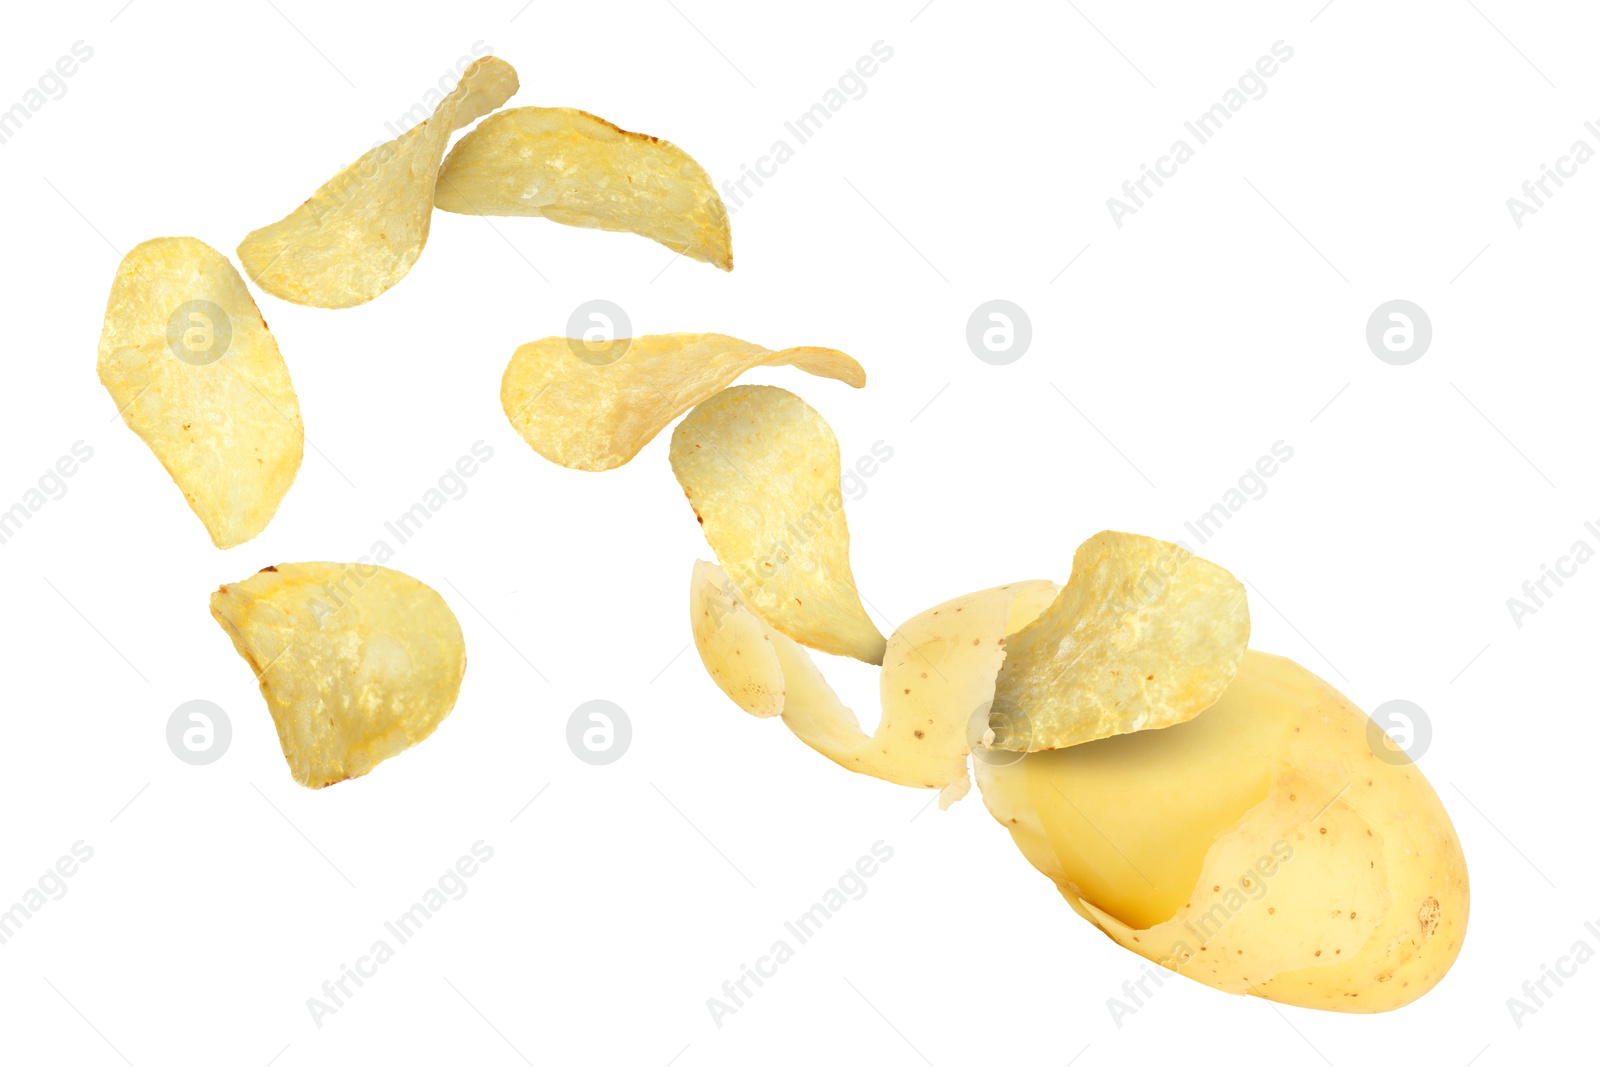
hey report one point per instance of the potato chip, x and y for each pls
(1144, 635)
(761, 470)
(937, 679)
(195, 373)
(360, 233)
(357, 662)
(593, 406)
(573, 168)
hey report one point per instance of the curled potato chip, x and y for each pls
(571, 167)
(1144, 635)
(188, 359)
(357, 662)
(360, 233)
(593, 408)
(761, 470)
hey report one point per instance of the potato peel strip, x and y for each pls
(938, 675)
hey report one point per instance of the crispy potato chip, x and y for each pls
(360, 233)
(195, 373)
(761, 470)
(938, 671)
(1144, 635)
(357, 662)
(594, 407)
(570, 167)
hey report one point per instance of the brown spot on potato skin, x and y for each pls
(1428, 917)
(274, 570)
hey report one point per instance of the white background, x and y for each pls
(1226, 315)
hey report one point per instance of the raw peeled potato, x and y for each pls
(357, 662)
(1257, 845)
(1262, 847)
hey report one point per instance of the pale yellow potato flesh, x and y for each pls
(595, 416)
(357, 662)
(194, 371)
(573, 168)
(735, 646)
(761, 470)
(1260, 848)
(1145, 634)
(363, 229)
(936, 682)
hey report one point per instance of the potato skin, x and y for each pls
(1392, 846)
(1421, 935)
